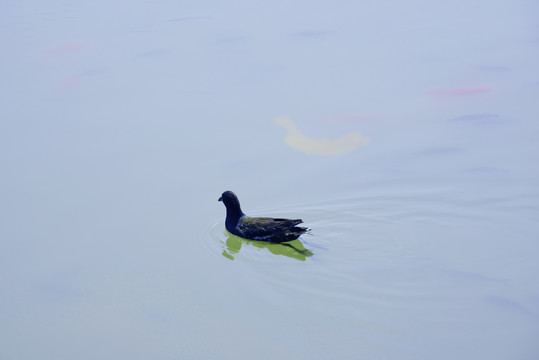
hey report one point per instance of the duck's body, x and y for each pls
(258, 228)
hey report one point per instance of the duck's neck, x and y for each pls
(232, 217)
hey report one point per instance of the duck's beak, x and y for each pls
(220, 199)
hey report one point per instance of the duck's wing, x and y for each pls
(271, 229)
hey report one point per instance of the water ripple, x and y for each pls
(378, 250)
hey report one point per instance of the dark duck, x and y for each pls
(258, 228)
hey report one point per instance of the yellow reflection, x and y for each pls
(314, 146)
(293, 249)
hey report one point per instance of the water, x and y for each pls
(404, 135)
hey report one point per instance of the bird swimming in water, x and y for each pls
(258, 228)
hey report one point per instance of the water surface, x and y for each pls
(403, 134)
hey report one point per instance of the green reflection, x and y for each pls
(293, 249)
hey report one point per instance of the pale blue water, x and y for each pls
(403, 134)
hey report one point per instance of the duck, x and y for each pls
(276, 230)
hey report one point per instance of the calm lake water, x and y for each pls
(405, 135)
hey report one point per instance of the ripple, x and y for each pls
(380, 248)
(354, 223)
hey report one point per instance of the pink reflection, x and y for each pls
(70, 83)
(460, 92)
(65, 49)
(74, 81)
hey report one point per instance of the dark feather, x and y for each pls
(258, 228)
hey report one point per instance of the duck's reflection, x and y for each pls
(293, 249)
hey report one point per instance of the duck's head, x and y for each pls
(231, 201)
